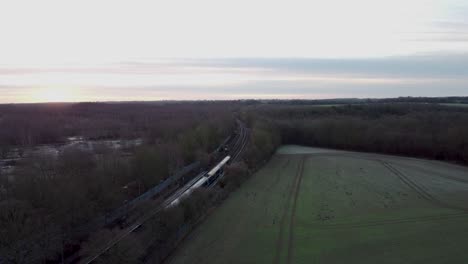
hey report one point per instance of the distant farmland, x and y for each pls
(311, 205)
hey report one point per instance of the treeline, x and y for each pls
(421, 130)
(33, 124)
(343, 101)
(48, 198)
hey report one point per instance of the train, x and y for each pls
(205, 180)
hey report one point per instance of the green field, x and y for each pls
(310, 205)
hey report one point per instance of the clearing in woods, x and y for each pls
(310, 205)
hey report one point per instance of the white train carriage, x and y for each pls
(217, 171)
(218, 167)
(206, 180)
(196, 185)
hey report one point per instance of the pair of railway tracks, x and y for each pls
(238, 148)
(241, 143)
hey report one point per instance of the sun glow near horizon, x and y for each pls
(55, 95)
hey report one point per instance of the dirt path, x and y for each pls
(297, 187)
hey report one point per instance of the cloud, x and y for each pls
(418, 75)
(423, 65)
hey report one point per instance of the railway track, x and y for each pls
(241, 142)
(238, 148)
(127, 231)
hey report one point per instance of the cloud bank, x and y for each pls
(239, 78)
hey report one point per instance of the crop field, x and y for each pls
(310, 205)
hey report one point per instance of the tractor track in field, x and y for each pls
(419, 189)
(391, 221)
(367, 156)
(297, 187)
(413, 167)
(279, 241)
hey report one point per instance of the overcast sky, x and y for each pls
(157, 50)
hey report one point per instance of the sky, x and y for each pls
(216, 49)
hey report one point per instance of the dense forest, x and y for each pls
(32, 124)
(47, 197)
(421, 130)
